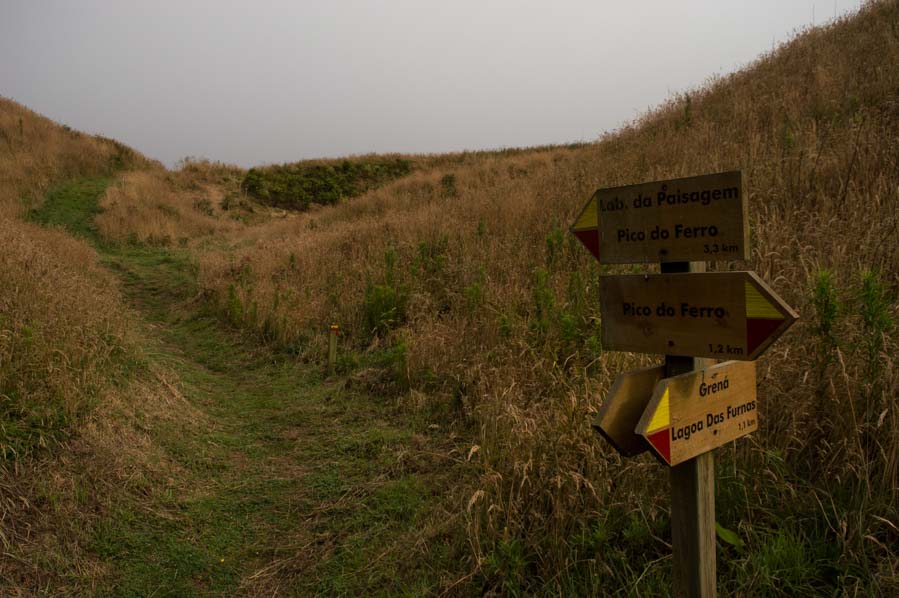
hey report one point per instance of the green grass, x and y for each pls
(28, 425)
(297, 483)
(72, 206)
(297, 186)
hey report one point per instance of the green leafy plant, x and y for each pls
(554, 243)
(385, 304)
(544, 302)
(448, 185)
(298, 186)
(827, 309)
(875, 299)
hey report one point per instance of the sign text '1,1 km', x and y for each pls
(694, 413)
(700, 218)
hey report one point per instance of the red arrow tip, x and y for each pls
(661, 441)
(758, 330)
(590, 239)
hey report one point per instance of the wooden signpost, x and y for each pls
(624, 406)
(725, 315)
(687, 407)
(696, 218)
(701, 410)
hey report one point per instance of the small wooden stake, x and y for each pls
(692, 495)
(332, 348)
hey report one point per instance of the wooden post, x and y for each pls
(332, 348)
(692, 495)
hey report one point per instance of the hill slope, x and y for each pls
(469, 275)
(466, 306)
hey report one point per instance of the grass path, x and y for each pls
(298, 485)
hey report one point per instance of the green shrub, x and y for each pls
(297, 186)
(544, 302)
(554, 241)
(448, 185)
(385, 304)
(385, 308)
(875, 299)
(827, 309)
(204, 206)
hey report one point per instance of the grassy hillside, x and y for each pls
(485, 304)
(470, 351)
(36, 154)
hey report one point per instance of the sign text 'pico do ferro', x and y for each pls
(723, 315)
(696, 218)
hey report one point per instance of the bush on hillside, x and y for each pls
(297, 186)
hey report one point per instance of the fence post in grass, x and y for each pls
(332, 348)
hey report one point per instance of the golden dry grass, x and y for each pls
(494, 327)
(144, 207)
(73, 417)
(37, 153)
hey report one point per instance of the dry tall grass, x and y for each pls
(145, 207)
(37, 153)
(75, 393)
(464, 271)
(493, 306)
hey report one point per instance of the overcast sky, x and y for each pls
(276, 81)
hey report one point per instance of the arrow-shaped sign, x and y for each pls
(725, 315)
(700, 218)
(623, 407)
(699, 411)
(586, 227)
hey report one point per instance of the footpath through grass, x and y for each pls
(299, 485)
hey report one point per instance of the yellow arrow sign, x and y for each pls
(699, 411)
(586, 227)
(700, 218)
(731, 315)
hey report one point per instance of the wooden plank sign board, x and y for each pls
(624, 406)
(700, 218)
(699, 411)
(724, 315)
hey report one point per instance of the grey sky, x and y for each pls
(277, 81)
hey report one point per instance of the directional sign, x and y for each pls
(585, 228)
(623, 407)
(696, 412)
(701, 218)
(725, 315)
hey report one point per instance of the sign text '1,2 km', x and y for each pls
(696, 218)
(722, 315)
